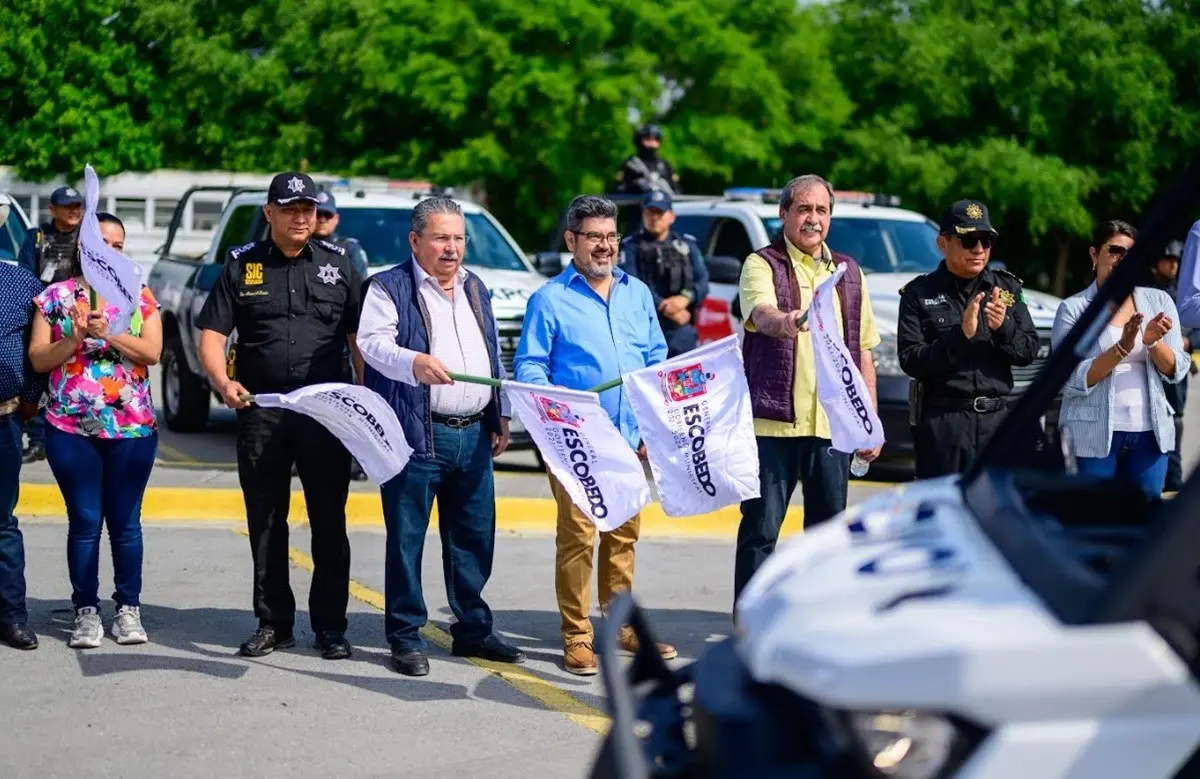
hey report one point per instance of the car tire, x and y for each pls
(184, 395)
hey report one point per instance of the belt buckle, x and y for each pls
(457, 423)
(975, 405)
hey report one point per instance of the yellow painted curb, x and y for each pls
(363, 509)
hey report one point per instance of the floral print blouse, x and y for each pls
(99, 392)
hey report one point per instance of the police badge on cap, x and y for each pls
(292, 188)
(966, 216)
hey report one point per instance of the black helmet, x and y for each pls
(647, 131)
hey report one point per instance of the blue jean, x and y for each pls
(12, 546)
(459, 475)
(1133, 458)
(102, 481)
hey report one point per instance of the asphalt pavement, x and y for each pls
(186, 704)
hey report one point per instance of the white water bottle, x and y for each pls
(859, 466)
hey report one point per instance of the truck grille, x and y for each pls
(510, 337)
(1024, 375)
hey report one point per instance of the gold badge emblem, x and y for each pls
(974, 211)
(1007, 298)
(254, 273)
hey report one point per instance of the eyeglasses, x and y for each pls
(1116, 251)
(442, 238)
(974, 239)
(594, 239)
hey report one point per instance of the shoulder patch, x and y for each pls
(327, 246)
(1009, 274)
(238, 251)
(689, 237)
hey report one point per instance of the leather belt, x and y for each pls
(982, 405)
(458, 422)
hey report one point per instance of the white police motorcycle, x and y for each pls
(992, 625)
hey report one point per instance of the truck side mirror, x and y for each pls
(548, 263)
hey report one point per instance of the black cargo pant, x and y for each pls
(782, 463)
(946, 441)
(269, 440)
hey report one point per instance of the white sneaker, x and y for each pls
(127, 626)
(89, 631)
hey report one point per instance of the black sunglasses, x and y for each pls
(1117, 251)
(973, 239)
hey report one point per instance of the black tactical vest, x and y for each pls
(56, 252)
(666, 265)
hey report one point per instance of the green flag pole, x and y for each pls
(488, 380)
(607, 385)
(92, 292)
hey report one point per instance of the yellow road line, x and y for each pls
(542, 690)
(363, 510)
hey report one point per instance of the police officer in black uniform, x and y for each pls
(645, 171)
(48, 252)
(294, 301)
(962, 328)
(672, 267)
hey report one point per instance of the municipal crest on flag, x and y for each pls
(686, 383)
(551, 410)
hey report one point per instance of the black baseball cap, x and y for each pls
(66, 196)
(292, 188)
(966, 216)
(325, 202)
(658, 199)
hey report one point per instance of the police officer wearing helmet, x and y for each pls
(645, 171)
(327, 224)
(961, 330)
(294, 300)
(672, 266)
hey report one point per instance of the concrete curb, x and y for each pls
(363, 510)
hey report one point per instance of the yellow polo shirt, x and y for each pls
(756, 287)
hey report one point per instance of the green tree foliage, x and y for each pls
(73, 89)
(1056, 112)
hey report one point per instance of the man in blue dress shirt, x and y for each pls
(20, 389)
(1188, 297)
(591, 323)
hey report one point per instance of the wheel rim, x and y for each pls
(171, 380)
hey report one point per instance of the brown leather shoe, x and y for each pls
(580, 659)
(629, 645)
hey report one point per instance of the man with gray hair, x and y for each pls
(422, 320)
(792, 430)
(591, 323)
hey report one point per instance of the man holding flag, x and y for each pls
(422, 320)
(294, 301)
(792, 427)
(591, 323)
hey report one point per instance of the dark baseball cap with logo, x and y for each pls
(966, 216)
(326, 203)
(292, 188)
(66, 196)
(657, 199)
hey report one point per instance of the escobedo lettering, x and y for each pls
(362, 411)
(693, 419)
(860, 408)
(581, 466)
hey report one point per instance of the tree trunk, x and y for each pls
(1062, 245)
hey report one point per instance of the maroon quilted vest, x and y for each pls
(771, 362)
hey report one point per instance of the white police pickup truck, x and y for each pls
(379, 219)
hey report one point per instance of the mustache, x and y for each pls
(809, 227)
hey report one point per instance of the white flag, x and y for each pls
(360, 418)
(694, 415)
(584, 451)
(853, 423)
(115, 277)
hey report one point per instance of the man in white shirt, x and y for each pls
(422, 320)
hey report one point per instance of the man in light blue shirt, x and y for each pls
(591, 323)
(1187, 299)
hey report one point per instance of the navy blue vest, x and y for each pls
(411, 403)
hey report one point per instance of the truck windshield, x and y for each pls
(383, 233)
(12, 235)
(880, 245)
